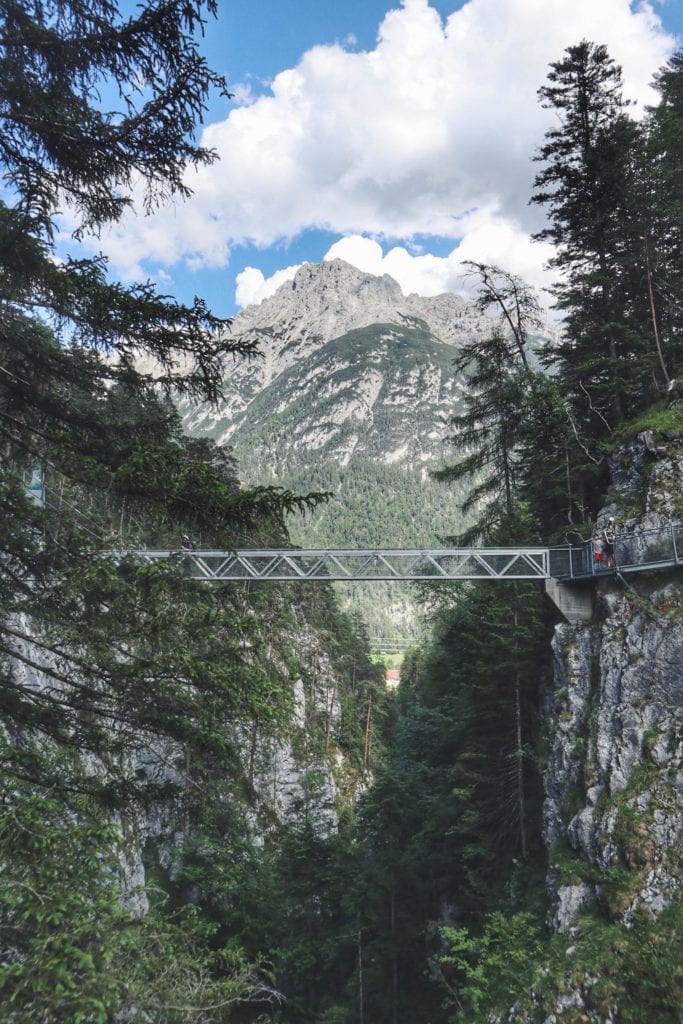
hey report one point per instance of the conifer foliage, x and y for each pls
(584, 184)
(611, 227)
(100, 656)
(91, 100)
(500, 379)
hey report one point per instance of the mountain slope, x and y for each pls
(351, 391)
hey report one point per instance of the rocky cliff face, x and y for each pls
(280, 775)
(346, 365)
(617, 756)
(614, 780)
(298, 769)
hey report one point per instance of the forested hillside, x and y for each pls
(212, 809)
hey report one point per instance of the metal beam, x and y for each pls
(636, 551)
(286, 564)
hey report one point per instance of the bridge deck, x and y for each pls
(286, 564)
(636, 552)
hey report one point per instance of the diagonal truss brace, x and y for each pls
(289, 564)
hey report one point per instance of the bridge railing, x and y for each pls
(375, 564)
(635, 550)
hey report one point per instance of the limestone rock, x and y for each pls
(613, 784)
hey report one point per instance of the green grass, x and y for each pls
(658, 418)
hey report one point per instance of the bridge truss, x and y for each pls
(377, 564)
(637, 551)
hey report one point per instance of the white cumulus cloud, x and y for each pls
(429, 133)
(253, 287)
(487, 239)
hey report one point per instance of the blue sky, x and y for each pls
(397, 134)
(258, 38)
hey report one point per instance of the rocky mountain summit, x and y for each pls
(350, 392)
(325, 301)
(300, 332)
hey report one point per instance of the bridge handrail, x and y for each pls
(636, 550)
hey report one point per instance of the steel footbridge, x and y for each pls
(564, 569)
(636, 551)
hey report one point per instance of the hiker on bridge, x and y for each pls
(186, 544)
(598, 550)
(609, 539)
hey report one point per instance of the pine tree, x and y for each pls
(584, 185)
(123, 648)
(499, 376)
(663, 200)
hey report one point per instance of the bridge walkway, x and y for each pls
(637, 551)
(563, 568)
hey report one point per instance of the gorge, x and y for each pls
(212, 808)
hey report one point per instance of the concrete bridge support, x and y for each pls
(573, 600)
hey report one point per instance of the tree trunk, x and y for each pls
(186, 809)
(394, 961)
(252, 751)
(368, 723)
(520, 754)
(361, 1014)
(328, 717)
(617, 403)
(653, 313)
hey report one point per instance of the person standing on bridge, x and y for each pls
(185, 543)
(598, 550)
(609, 538)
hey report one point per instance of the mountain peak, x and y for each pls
(325, 300)
(339, 276)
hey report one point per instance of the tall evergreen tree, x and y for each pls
(499, 377)
(74, 401)
(663, 201)
(584, 186)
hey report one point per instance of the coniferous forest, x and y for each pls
(414, 890)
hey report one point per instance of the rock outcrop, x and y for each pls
(614, 781)
(286, 774)
(345, 363)
(279, 775)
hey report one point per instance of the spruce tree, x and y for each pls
(584, 186)
(663, 201)
(488, 430)
(92, 99)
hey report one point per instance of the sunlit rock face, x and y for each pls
(617, 754)
(614, 781)
(346, 364)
